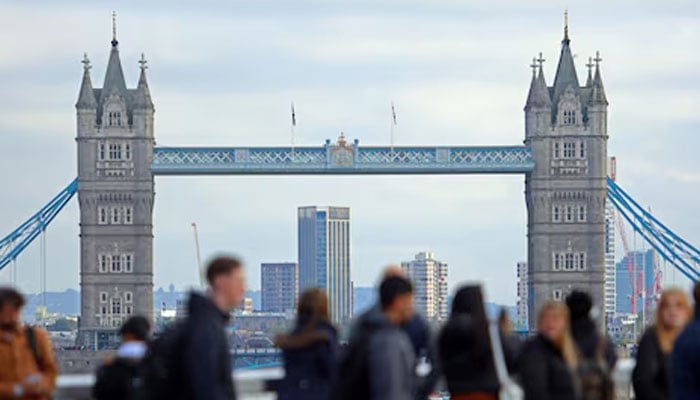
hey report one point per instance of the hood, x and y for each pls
(200, 304)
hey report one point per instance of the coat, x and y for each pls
(685, 365)
(466, 359)
(17, 362)
(206, 352)
(544, 373)
(651, 372)
(310, 361)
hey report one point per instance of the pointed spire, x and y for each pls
(598, 94)
(114, 77)
(539, 93)
(589, 80)
(143, 94)
(566, 71)
(86, 98)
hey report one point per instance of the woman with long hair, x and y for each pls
(651, 373)
(464, 349)
(548, 362)
(310, 351)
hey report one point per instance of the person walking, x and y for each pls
(651, 377)
(28, 368)
(596, 353)
(548, 361)
(310, 351)
(379, 362)
(207, 359)
(685, 361)
(116, 379)
(420, 335)
(464, 349)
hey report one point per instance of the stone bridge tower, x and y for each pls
(566, 128)
(115, 191)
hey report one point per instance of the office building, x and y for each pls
(429, 278)
(324, 256)
(641, 263)
(279, 283)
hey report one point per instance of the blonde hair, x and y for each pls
(667, 334)
(565, 343)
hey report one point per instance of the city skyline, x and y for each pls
(477, 104)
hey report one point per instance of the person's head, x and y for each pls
(313, 304)
(11, 303)
(393, 270)
(672, 313)
(396, 299)
(135, 329)
(553, 325)
(504, 322)
(580, 304)
(226, 280)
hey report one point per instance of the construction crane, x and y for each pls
(199, 259)
(635, 283)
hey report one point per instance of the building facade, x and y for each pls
(324, 256)
(279, 283)
(641, 265)
(610, 270)
(566, 128)
(115, 190)
(522, 291)
(429, 277)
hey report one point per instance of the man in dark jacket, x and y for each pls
(390, 361)
(116, 379)
(685, 364)
(206, 348)
(583, 329)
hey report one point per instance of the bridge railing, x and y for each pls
(261, 384)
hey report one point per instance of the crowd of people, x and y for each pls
(390, 354)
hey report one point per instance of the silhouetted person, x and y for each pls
(207, 359)
(464, 349)
(310, 351)
(548, 362)
(651, 375)
(379, 362)
(512, 344)
(588, 339)
(116, 379)
(27, 366)
(685, 365)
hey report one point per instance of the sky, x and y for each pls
(224, 73)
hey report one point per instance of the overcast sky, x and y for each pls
(224, 73)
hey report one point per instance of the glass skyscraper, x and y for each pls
(324, 256)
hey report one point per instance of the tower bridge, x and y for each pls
(564, 161)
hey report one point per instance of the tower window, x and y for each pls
(103, 297)
(128, 265)
(556, 217)
(581, 261)
(128, 310)
(116, 264)
(103, 261)
(127, 215)
(569, 149)
(569, 262)
(557, 150)
(115, 215)
(569, 213)
(128, 297)
(116, 306)
(582, 213)
(557, 262)
(582, 149)
(569, 117)
(101, 151)
(557, 295)
(127, 151)
(102, 216)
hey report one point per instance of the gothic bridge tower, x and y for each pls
(566, 128)
(115, 190)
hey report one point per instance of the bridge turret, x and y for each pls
(565, 193)
(538, 109)
(115, 192)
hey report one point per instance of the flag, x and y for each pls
(294, 116)
(393, 113)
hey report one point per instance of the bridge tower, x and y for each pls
(566, 128)
(115, 190)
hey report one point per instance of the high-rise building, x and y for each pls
(610, 291)
(429, 277)
(522, 288)
(324, 256)
(280, 286)
(115, 143)
(642, 265)
(566, 130)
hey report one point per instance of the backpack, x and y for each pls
(594, 375)
(162, 371)
(353, 380)
(33, 346)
